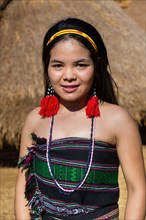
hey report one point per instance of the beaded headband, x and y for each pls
(72, 31)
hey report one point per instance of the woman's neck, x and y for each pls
(73, 106)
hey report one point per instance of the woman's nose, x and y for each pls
(69, 74)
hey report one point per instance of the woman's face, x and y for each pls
(71, 70)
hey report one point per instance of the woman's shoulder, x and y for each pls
(115, 113)
(31, 121)
(119, 121)
(117, 109)
(33, 117)
(34, 114)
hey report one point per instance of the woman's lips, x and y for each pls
(70, 88)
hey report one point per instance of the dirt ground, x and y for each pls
(7, 190)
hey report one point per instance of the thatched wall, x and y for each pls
(23, 25)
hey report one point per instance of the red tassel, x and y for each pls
(49, 106)
(92, 109)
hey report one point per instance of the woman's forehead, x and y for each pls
(69, 47)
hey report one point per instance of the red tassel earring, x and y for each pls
(92, 109)
(49, 104)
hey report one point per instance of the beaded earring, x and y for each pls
(49, 104)
(92, 109)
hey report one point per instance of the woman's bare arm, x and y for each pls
(21, 210)
(132, 163)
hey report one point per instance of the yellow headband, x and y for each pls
(72, 31)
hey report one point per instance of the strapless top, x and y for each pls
(69, 157)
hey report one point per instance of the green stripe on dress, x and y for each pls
(75, 174)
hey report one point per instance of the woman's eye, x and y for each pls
(57, 66)
(82, 65)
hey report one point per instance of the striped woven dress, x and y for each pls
(98, 196)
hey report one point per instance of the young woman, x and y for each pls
(71, 145)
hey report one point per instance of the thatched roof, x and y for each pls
(23, 25)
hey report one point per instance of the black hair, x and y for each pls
(104, 83)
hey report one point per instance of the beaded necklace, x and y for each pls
(88, 164)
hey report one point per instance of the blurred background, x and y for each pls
(23, 24)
